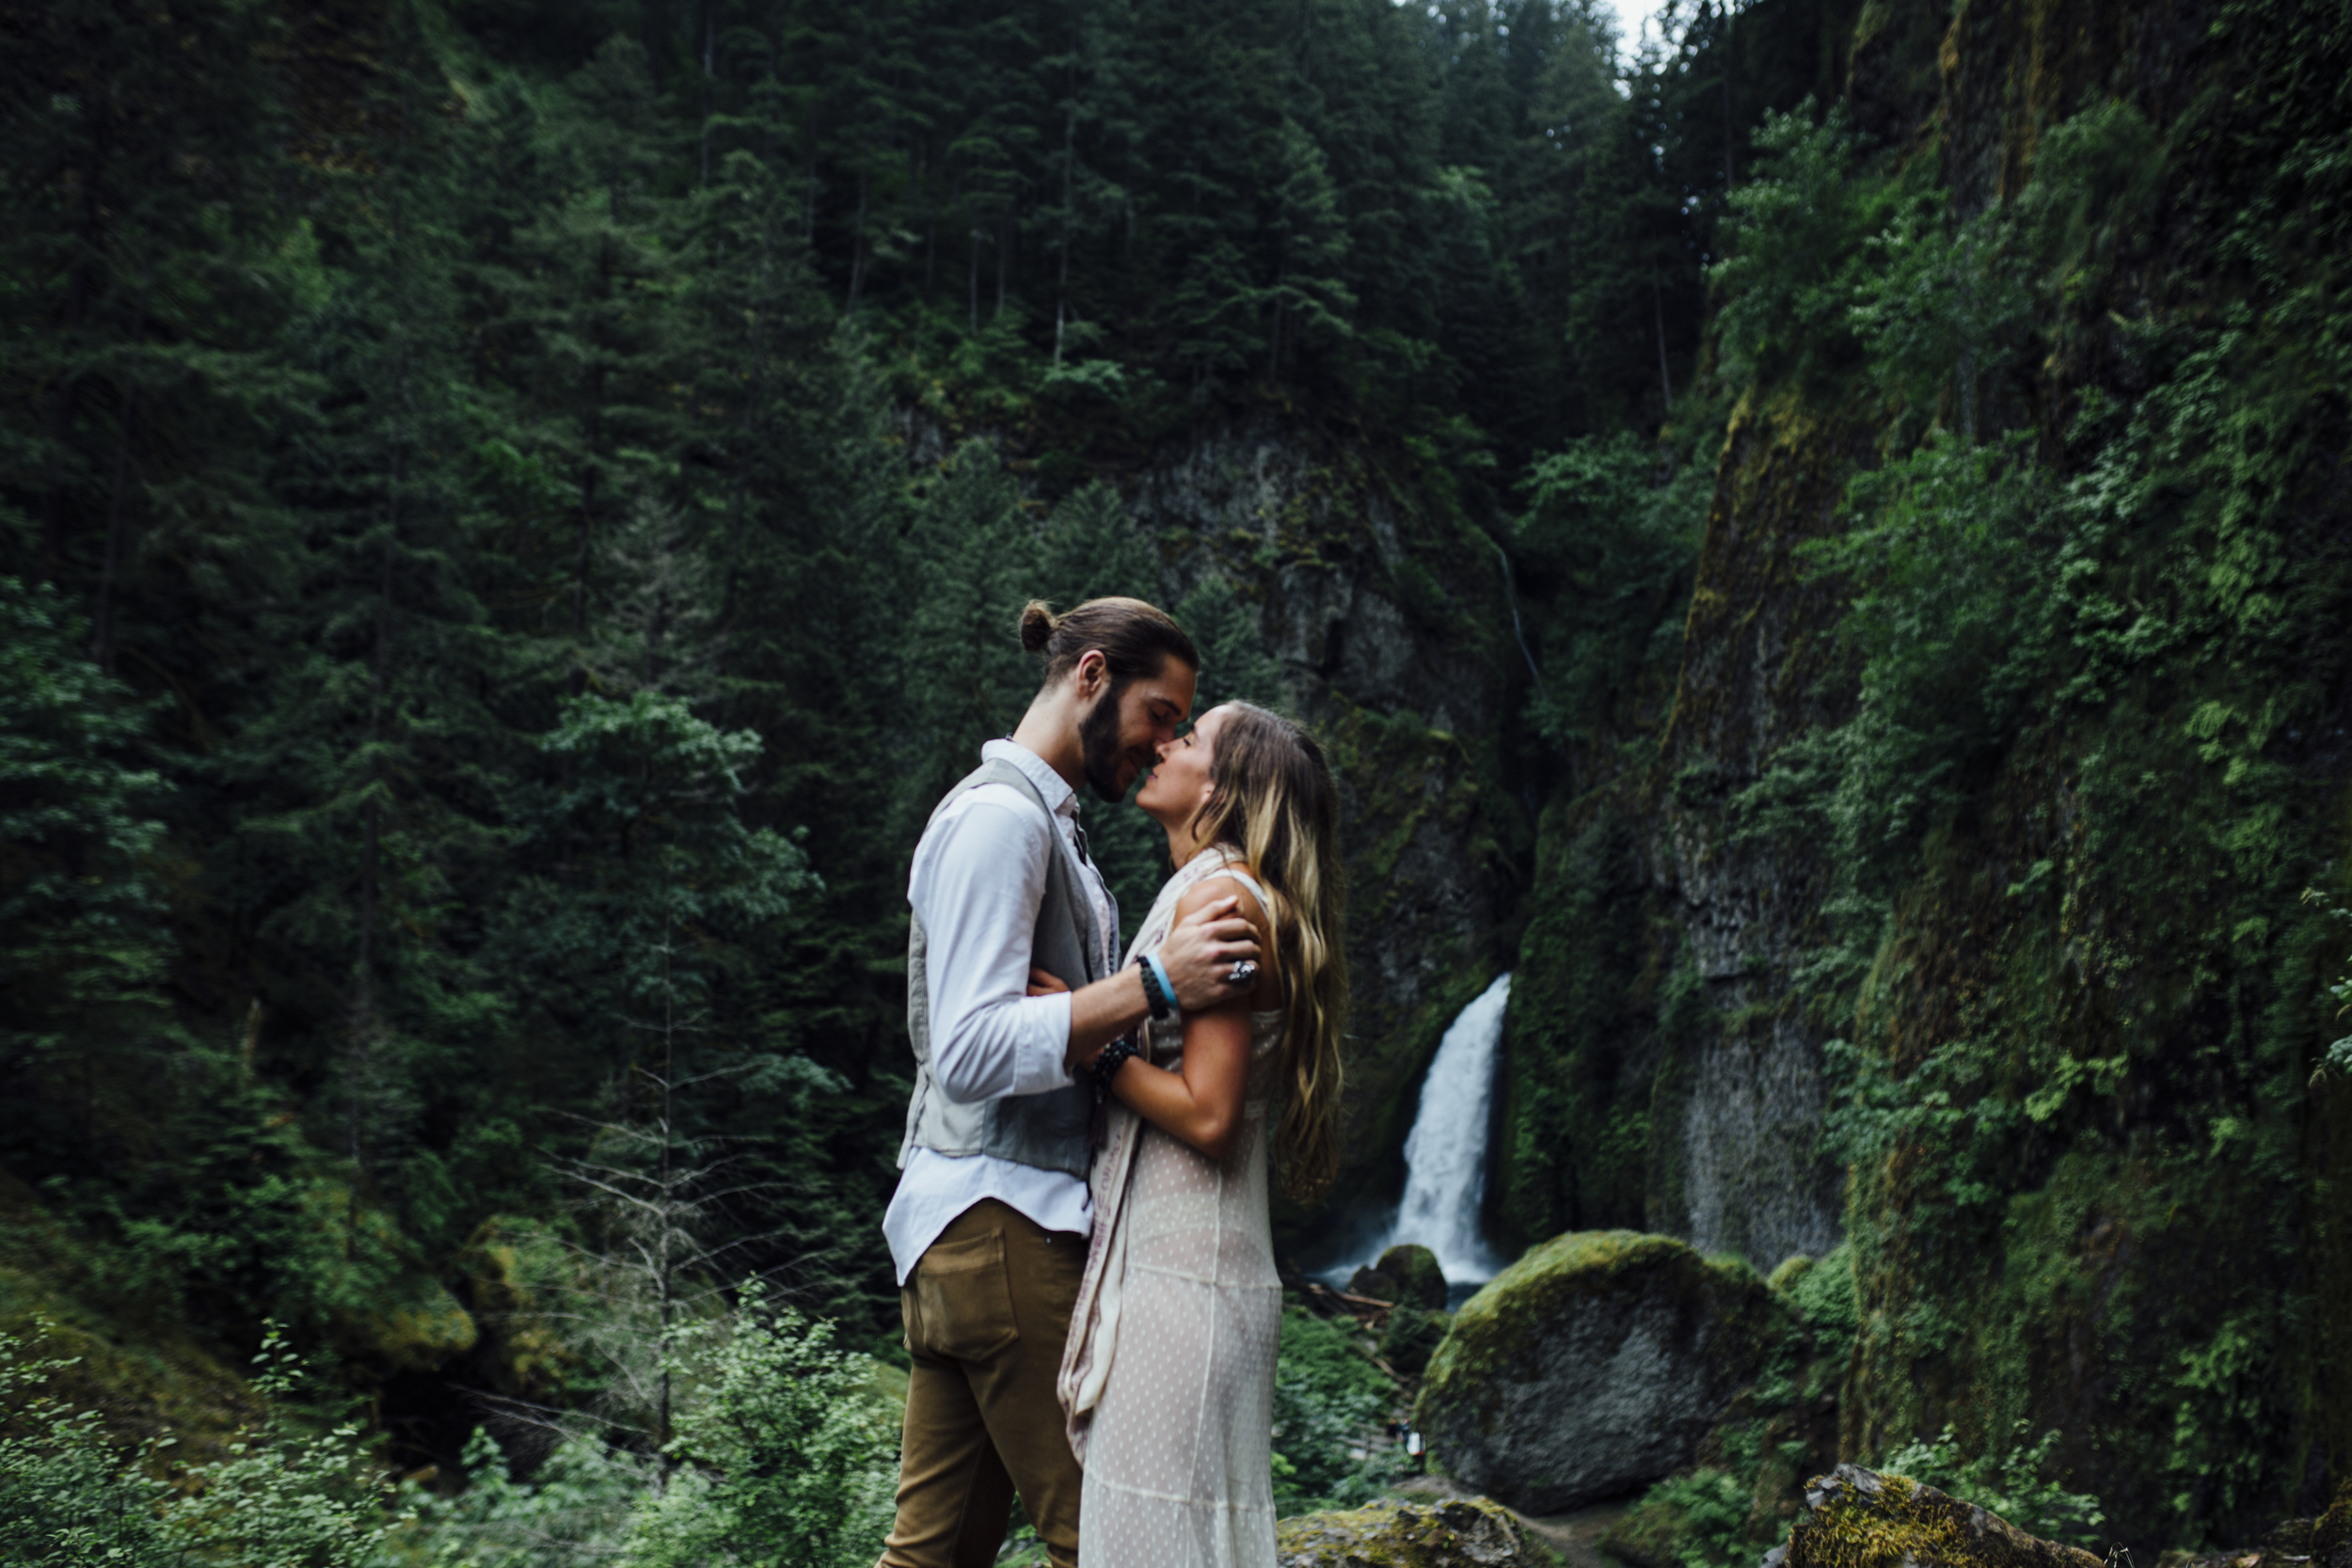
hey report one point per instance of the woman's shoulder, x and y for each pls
(1224, 884)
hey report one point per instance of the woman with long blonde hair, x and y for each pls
(1167, 1378)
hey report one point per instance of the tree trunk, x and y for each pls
(102, 651)
(1004, 254)
(930, 226)
(711, 32)
(857, 235)
(1665, 381)
(80, 287)
(1069, 162)
(1723, 42)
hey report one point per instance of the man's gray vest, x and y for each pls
(1050, 1130)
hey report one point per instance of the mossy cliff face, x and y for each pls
(1381, 604)
(1740, 1079)
(1594, 1363)
(2108, 1200)
(2089, 1181)
(1661, 1070)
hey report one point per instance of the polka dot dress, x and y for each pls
(1179, 1470)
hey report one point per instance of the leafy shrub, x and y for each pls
(2012, 1484)
(286, 1495)
(789, 1458)
(576, 1507)
(1330, 1408)
(1411, 1336)
(1608, 549)
(2338, 1058)
(1699, 1519)
(1824, 1294)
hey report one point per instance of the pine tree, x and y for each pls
(84, 944)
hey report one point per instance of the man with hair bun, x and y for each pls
(989, 1226)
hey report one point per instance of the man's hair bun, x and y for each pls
(1133, 638)
(1038, 621)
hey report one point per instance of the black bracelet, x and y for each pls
(1106, 1065)
(1157, 999)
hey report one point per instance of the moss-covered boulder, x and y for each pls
(1594, 1363)
(1407, 1274)
(2331, 1534)
(1856, 1518)
(1460, 1532)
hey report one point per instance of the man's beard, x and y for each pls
(1098, 748)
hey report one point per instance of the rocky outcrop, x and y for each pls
(1595, 1363)
(2331, 1534)
(1460, 1532)
(1856, 1518)
(1407, 1274)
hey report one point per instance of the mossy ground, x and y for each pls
(139, 1366)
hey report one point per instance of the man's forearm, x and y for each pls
(1101, 1012)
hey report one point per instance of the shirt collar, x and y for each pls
(1052, 785)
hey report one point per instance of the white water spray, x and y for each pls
(1445, 1155)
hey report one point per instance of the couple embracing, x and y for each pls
(1081, 1232)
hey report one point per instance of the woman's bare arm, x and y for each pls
(1202, 1105)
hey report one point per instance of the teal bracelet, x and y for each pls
(1159, 973)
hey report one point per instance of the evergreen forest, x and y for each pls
(1818, 536)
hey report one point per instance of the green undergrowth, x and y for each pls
(786, 1450)
(1331, 1408)
(2012, 1482)
(1747, 1489)
(293, 1488)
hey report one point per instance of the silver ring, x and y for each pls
(1242, 973)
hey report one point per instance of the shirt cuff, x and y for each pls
(1039, 1061)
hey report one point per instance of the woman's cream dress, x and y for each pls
(1167, 1378)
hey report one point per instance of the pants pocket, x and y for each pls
(963, 1299)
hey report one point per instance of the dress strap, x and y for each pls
(1232, 869)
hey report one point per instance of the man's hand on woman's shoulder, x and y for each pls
(1201, 950)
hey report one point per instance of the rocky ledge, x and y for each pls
(1856, 1518)
(1460, 1532)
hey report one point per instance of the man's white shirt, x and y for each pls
(976, 885)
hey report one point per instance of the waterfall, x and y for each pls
(1445, 1155)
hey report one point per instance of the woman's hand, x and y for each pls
(1043, 984)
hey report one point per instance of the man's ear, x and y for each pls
(1090, 672)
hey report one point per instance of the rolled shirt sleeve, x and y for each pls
(977, 886)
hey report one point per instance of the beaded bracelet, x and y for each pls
(1168, 986)
(1155, 996)
(1114, 1056)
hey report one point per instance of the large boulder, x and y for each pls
(1593, 1365)
(2331, 1536)
(1460, 1532)
(1856, 1518)
(1407, 1274)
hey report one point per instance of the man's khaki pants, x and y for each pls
(986, 1310)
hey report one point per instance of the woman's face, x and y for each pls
(1178, 784)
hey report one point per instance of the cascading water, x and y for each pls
(1445, 1155)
